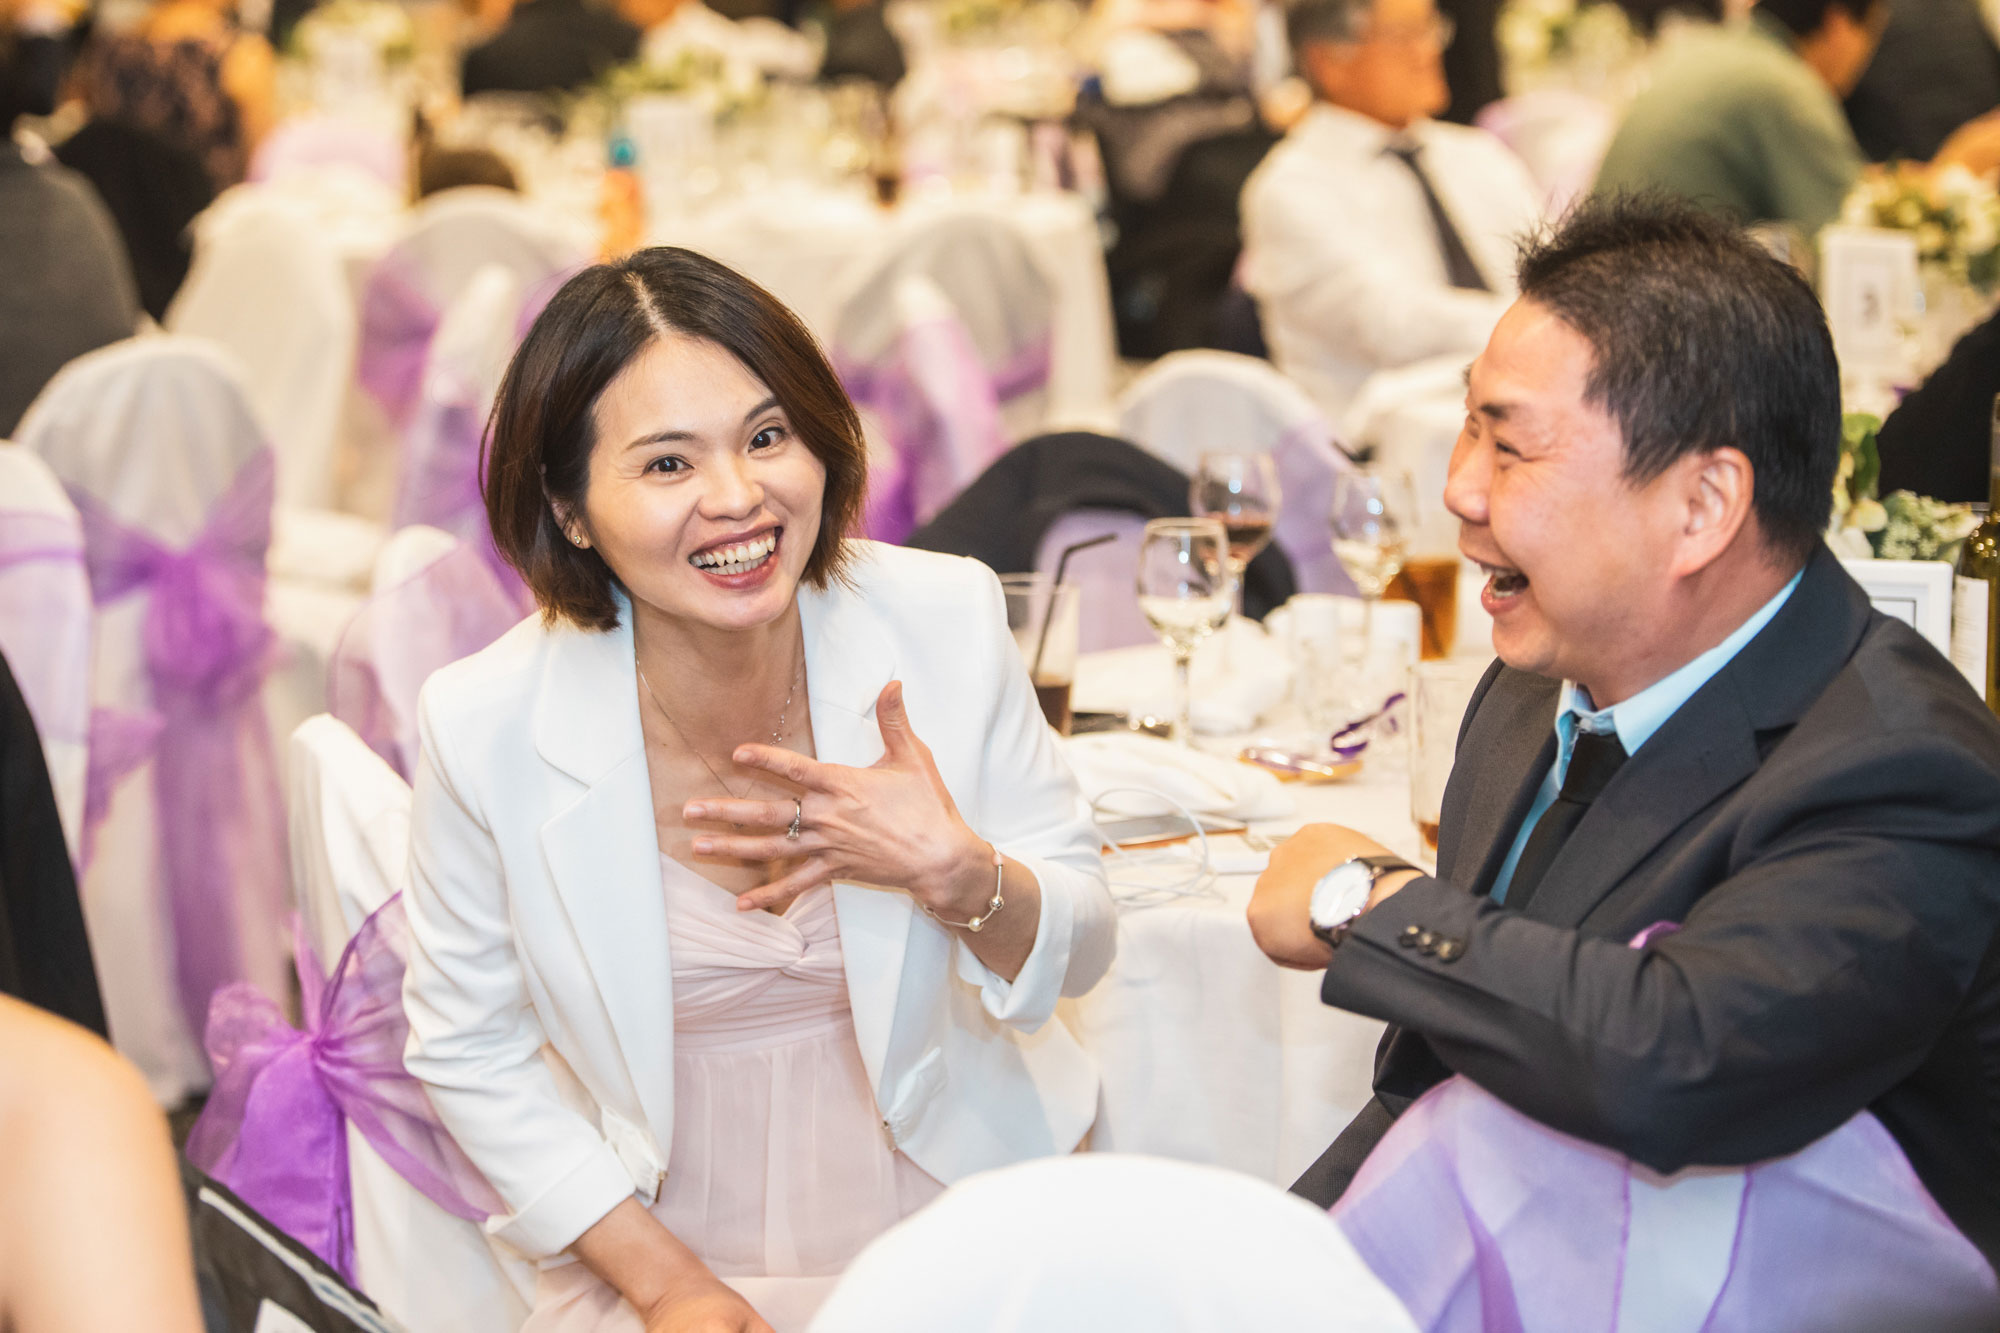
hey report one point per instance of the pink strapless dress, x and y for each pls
(780, 1171)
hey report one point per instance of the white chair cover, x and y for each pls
(945, 339)
(407, 551)
(45, 615)
(476, 337)
(1560, 135)
(268, 286)
(1101, 1241)
(1195, 402)
(305, 144)
(350, 819)
(158, 431)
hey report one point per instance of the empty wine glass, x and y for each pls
(1242, 491)
(1374, 514)
(1185, 593)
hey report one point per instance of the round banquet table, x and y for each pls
(1208, 1051)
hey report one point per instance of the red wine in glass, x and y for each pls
(1249, 532)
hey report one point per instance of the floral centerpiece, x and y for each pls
(1564, 41)
(1899, 526)
(1954, 216)
(721, 86)
(381, 25)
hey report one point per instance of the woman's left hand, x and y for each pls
(891, 824)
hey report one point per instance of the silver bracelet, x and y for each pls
(978, 923)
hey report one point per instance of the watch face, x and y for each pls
(1340, 895)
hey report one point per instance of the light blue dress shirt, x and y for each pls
(1633, 721)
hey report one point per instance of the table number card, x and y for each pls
(1868, 282)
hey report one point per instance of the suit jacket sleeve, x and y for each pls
(1032, 810)
(475, 1041)
(1811, 979)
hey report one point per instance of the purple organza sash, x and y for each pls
(47, 593)
(450, 609)
(1484, 1221)
(274, 1129)
(398, 320)
(941, 408)
(206, 650)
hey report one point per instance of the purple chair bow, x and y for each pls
(275, 1128)
(940, 405)
(398, 319)
(206, 650)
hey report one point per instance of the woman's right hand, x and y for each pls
(705, 1307)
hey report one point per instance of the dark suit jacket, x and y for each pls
(1823, 818)
(549, 44)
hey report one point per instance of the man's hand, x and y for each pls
(1279, 908)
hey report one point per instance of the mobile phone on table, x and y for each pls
(1145, 830)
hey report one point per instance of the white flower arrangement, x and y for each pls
(722, 86)
(1545, 40)
(1954, 215)
(381, 24)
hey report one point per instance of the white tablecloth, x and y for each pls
(1211, 1053)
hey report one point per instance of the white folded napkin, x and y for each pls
(1238, 676)
(1126, 773)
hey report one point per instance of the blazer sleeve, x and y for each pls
(1032, 809)
(475, 1041)
(1812, 979)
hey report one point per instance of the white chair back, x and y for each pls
(476, 337)
(350, 819)
(1560, 135)
(408, 551)
(159, 433)
(45, 615)
(268, 286)
(455, 233)
(1195, 402)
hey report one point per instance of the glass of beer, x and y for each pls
(1431, 581)
(1440, 692)
(1043, 617)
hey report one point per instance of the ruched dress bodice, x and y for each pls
(780, 1170)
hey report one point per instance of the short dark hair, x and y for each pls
(1806, 17)
(440, 168)
(1311, 21)
(1699, 339)
(543, 425)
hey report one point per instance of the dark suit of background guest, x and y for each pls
(1938, 441)
(44, 954)
(549, 44)
(1935, 69)
(1824, 817)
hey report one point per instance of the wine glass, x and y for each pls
(1185, 593)
(1374, 514)
(1242, 491)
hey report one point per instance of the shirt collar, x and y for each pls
(1636, 719)
(1354, 132)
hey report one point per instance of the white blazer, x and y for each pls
(539, 994)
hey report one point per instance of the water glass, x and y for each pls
(1185, 592)
(1440, 691)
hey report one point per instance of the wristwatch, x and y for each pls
(1342, 894)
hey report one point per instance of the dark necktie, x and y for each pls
(1459, 269)
(1592, 761)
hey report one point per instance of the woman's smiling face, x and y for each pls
(701, 498)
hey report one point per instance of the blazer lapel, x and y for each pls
(603, 853)
(848, 661)
(1505, 755)
(1710, 744)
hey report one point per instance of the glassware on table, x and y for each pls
(1441, 692)
(1374, 513)
(1185, 592)
(1043, 617)
(1240, 489)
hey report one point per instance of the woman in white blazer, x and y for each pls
(716, 968)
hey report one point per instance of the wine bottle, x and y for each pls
(1975, 618)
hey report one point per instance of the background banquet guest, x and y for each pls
(681, 831)
(44, 953)
(549, 45)
(93, 1237)
(1938, 440)
(1746, 118)
(1698, 719)
(1373, 235)
(65, 284)
(154, 189)
(859, 45)
(1935, 68)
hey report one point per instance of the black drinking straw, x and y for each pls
(1062, 563)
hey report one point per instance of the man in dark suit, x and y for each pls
(1697, 719)
(549, 46)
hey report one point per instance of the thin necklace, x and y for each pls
(777, 736)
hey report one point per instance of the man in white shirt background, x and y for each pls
(1374, 236)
